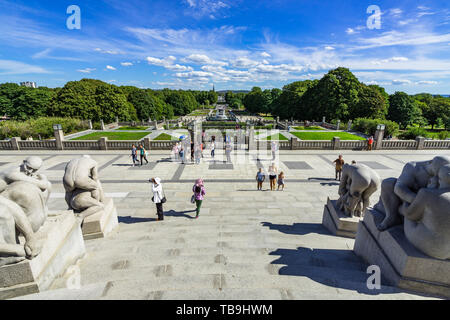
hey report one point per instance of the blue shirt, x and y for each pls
(260, 176)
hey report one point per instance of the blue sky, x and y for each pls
(191, 44)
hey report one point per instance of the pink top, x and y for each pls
(201, 194)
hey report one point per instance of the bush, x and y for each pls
(40, 127)
(413, 133)
(443, 135)
(369, 126)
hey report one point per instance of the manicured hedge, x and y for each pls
(42, 127)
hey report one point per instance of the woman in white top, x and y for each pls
(272, 176)
(158, 196)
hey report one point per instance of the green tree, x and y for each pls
(402, 109)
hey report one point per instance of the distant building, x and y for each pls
(28, 84)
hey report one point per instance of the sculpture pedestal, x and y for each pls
(401, 264)
(62, 248)
(337, 222)
(100, 224)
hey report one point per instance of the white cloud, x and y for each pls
(350, 31)
(265, 55)
(110, 68)
(126, 64)
(329, 48)
(426, 82)
(396, 12)
(86, 70)
(15, 67)
(399, 82)
(244, 62)
(202, 59)
(113, 52)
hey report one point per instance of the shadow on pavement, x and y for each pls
(173, 213)
(298, 228)
(331, 267)
(131, 220)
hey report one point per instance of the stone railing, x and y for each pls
(312, 145)
(36, 144)
(293, 144)
(399, 144)
(81, 145)
(6, 145)
(436, 144)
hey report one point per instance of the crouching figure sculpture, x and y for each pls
(85, 196)
(84, 193)
(357, 184)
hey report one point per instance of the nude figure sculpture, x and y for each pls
(427, 218)
(404, 189)
(357, 184)
(23, 210)
(84, 193)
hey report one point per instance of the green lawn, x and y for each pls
(132, 128)
(326, 135)
(309, 128)
(114, 136)
(164, 137)
(278, 137)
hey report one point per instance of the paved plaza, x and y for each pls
(247, 244)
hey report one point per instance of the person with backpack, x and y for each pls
(143, 154)
(158, 197)
(199, 193)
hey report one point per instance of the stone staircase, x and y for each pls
(228, 253)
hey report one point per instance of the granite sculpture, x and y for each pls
(357, 184)
(23, 211)
(84, 193)
(85, 197)
(403, 190)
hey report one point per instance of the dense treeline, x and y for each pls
(340, 95)
(95, 100)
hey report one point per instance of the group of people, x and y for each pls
(274, 178)
(339, 165)
(142, 153)
(159, 197)
(196, 149)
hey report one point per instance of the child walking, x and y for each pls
(260, 177)
(199, 194)
(281, 181)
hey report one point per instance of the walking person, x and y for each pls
(274, 149)
(198, 153)
(228, 151)
(143, 154)
(181, 154)
(272, 176)
(260, 177)
(281, 181)
(134, 154)
(158, 197)
(213, 147)
(176, 151)
(339, 162)
(199, 194)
